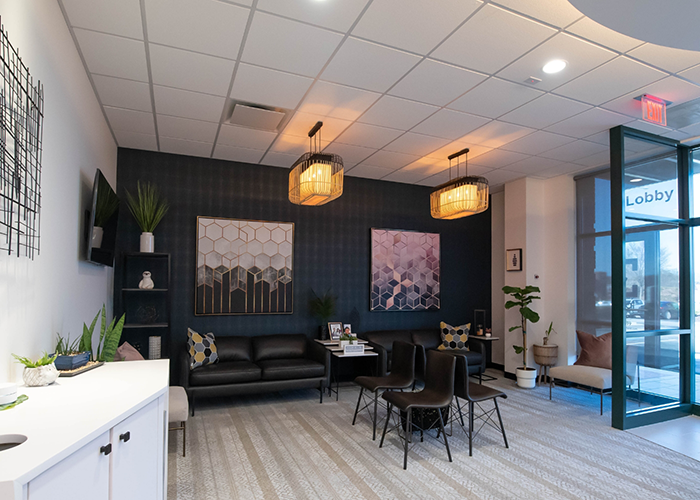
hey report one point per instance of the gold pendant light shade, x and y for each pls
(460, 197)
(316, 178)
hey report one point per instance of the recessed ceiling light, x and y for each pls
(554, 66)
(636, 180)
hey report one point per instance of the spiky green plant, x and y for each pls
(44, 360)
(64, 347)
(148, 207)
(107, 203)
(322, 307)
(523, 298)
(108, 338)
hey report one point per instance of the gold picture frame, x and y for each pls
(335, 330)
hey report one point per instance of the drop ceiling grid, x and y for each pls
(558, 22)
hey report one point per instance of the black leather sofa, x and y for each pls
(249, 365)
(425, 340)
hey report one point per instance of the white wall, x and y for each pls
(57, 291)
(498, 264)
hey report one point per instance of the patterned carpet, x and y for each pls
(287, 446)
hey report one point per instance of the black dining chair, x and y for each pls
(436, 395)
(475, 395)
(403, 368)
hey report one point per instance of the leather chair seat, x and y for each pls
(423, 399)
(473, 358)
(282, 369)
(391, 381)
(227, 372)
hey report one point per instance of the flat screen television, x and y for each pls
(101, 222)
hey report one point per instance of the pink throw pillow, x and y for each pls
(127, 352)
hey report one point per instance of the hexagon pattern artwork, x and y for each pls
(244, 267)
(405, 271)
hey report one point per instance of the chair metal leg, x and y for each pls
(444, 435)
(184, 438)
(192, 405)
(359, 398)
(500, 421)
(601, 401)
(551, 381)
(471, 425)
(374, 422)
(386, 424)
(459, 410)
(408, 432)
(321, 390)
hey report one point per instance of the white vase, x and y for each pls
(526, 377)
(147, 243)
(40, 376)
(97, 233)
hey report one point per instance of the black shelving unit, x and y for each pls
(147, 311)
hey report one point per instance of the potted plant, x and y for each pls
(105, 206)
(68, 355)
(322, 308)
(108, 340)
(546, 354)
(522, 298)
(148, 208)
(347, 339)
(40, 372)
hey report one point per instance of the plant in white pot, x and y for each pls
(148, 208)
(522, 298)
(40, 372)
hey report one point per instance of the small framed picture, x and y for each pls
(335, 330)
(514, 258)
(347, 328)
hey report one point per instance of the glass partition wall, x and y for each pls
(650, 288)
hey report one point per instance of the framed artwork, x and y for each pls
(244, 267)
(335, 330)
(347, 328)
(405, 271)
(514, 258)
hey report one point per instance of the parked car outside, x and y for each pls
(669, 309)
(634, 308)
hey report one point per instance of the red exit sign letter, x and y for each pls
(654, 110)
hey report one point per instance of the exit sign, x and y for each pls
(653, 110)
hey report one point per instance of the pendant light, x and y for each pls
(459, 197)
(316, 178)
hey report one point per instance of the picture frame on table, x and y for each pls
(347, 328)
(335, 330)
(514, 259)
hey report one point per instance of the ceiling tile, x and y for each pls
(351, 155)
(276, 159)
(207, 26)
(575, 151)
(292, 145)
(368, 66)
(416, 144)
(428, 167)
(435, 180)
(580, 56)
(133, 121)
(436, 83)
(692, 74)
(389, 159)
(133, 140)
(591, 30)
(339, 101)
(184, 128)
(505, 37)
(186, 104)
(246, 138)
(532, 165)
(609, 81)
(648, 127)
(370, 136)
(337, 16)
(601, 138)
(545, 111)
(498, 158)
(112, 55)
(588, 123)
(397, 113)
(450, 124)
(691, 130)
(494, 97)
(269, 87)
(672, 89)
(500, 176)
(496, 134)
(183, 147)
(405, 176)
(676, 135)
(560, 13)
(561, 169)
(475, 151)
(301, 123)
(595, 160)
(189, 71)
(243, 155)
(537, 143)
(122, 93)
(369, 172)
(413, 25)
(288, 45)
(117, 18)
(666, 58)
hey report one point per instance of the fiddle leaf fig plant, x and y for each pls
(522, 298)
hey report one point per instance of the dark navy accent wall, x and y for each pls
(331, 244)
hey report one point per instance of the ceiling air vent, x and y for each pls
(257, 116)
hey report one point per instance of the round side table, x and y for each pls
(545, 356)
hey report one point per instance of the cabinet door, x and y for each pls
(84, 475)
(136, 470)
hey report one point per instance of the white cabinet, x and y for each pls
(124, 463)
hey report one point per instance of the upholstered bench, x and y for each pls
(590, 376)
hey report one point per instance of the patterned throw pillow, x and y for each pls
(202, 349)
(454, 337)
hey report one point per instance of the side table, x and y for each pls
(487, 341)
(545, 356)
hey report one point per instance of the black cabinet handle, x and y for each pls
(125, 437)
(106, 449)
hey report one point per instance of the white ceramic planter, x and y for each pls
(97, 233)
(526, 377)
(147, 243)
(40, 376)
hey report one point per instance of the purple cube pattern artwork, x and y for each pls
(405, 271)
